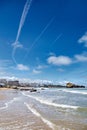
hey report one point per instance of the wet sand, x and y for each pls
(16, 115)
(2, 97)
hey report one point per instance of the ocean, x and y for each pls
(48, 109)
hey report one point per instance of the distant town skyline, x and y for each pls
(44, 40)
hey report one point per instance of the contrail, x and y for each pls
(22, 20)
(38, 37)
(56, 39)
(23, 17)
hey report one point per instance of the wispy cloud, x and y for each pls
(81, 57)
(60, 70)
(16, 44)
(60, 60)
(52, 54)
(36, 71)
(83, 39)
(39, 69)
(5, 65)
(22, 67)
(3, 71)
(3, 61)
(41, 66)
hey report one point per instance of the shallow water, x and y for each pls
(49, 109)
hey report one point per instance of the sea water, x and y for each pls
(49, 109)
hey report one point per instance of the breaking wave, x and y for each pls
(77, 92)
(49, 123)
(50, 103)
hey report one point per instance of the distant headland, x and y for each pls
(71, 85)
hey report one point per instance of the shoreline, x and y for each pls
(34, 116)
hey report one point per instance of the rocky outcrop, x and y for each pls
(33, 90)
(71, 85)
(27, 89)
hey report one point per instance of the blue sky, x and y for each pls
(44, 40)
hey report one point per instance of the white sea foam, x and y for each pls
(7, 103)
(49, 123)
(50, 103)
(73, 91)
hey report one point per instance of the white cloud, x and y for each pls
(36, 71)
(22, 67)
(81, 57)
(60, 60)
(83, 39)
